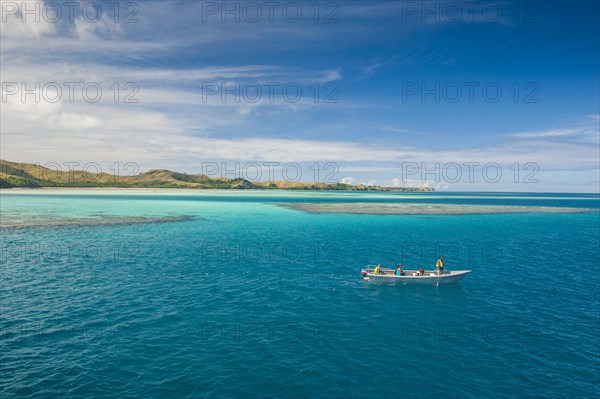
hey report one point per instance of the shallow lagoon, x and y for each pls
(244, 297)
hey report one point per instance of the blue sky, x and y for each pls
(374, 59)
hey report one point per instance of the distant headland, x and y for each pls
(27, 175)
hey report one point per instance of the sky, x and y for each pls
(458, 96)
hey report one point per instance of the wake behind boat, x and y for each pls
(388, 276)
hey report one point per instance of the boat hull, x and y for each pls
(429, 277)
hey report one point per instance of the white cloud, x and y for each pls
(594, 117)
(17, 25)
(25, 71)
(396, 129)
(397, 182)
(104, 28)
(66, 120)
(137, 132)
(586, 130)
(548, 133)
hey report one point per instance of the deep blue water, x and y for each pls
(249, 299)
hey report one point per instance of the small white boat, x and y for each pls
(387, 276)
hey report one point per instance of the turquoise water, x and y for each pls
(244, 298)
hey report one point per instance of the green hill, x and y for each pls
(29, 175)
(14, 175)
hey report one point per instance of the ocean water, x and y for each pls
(227, 294)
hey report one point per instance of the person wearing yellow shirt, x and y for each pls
(377, 269)
(440, 265)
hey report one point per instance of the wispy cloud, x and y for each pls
(586, 130)
(396, 129)
(548, 133)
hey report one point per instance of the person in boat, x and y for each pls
(377, 269)
(421, 272)
(399, 271)
(440, 265)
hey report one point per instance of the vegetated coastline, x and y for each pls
(27, 175)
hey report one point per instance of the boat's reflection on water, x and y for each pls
(447, 295)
